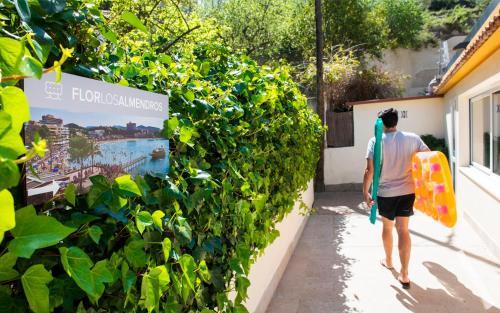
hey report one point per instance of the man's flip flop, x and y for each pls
(403, 284)
(382, 262)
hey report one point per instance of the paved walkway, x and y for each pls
(335, 267)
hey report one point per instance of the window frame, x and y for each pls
(487, 170)
(495, 90)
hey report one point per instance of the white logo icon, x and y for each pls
(53, 90)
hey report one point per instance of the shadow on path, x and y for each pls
(360, 209)
(319, 277)
(455, 296)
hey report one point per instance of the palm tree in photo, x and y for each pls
(80, 148)
(94, 150)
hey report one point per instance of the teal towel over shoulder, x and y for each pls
(377, 163)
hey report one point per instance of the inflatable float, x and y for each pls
(434, 187)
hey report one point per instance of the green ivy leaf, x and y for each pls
(37, 48)
(153, 284)
(11, 145)
(204, 272)
(95, 232)
(239, 308)
(70, 193)
(53, 6)
(7, 215)
(7, 262)
(78, 266)
(182, 229)
(23, 9)
(242, 284)
(128, 278)
(130, 18)
(189, 95)
(111, 36)
(35, 231)
(205, 68)
(185, 289)
(170, 127)
(15, 103)
(31, 67)
(185, 134)
(142, 220)
(5, 123)
(9, 172)
(158, 218)
(78, 219)
(235, 265)
(11, 53)
(134, 252)
(128, 186)
(166, 245)
(188, 266)
(259, 202)
(34, 282)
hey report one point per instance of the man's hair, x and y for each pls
(389, 117)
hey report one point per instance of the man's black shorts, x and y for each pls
(390, 207)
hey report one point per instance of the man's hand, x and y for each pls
(368, 199)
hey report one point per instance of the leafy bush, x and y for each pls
(437, 5)
(435, 144)
(245, 146)
(348, 80)
(453, 22)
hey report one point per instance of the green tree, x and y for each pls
(80, 148)
(95, 149)
(405, 22)
(258, 27)
(355, 23)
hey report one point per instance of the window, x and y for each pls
(481, 130)
(496, 132)
(485, 131)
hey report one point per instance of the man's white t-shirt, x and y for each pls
(398, 149)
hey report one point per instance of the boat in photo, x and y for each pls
(158, 153)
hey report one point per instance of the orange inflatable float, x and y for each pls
(434, 187)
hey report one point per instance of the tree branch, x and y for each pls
(165, 49)
(180, 12)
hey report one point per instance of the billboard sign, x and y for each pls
(92, 128)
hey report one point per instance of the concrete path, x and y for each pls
(335, 267)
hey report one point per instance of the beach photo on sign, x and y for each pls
(83, 145)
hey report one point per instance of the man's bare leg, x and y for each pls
(404, 246)
(388, 225)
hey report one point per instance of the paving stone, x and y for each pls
(335, 267)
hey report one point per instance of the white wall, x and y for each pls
(346, 165)
(267, 271)
(478, 192)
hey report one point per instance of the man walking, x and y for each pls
(396, 188)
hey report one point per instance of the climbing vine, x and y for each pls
(243, 142)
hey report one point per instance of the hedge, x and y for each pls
(244, 145)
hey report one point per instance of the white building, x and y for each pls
(465, 111)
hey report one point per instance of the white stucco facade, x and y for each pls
(477, 189)
(421, 116)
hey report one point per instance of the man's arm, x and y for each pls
(367, 182)
(422, 147)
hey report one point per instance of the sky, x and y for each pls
(95, 118)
